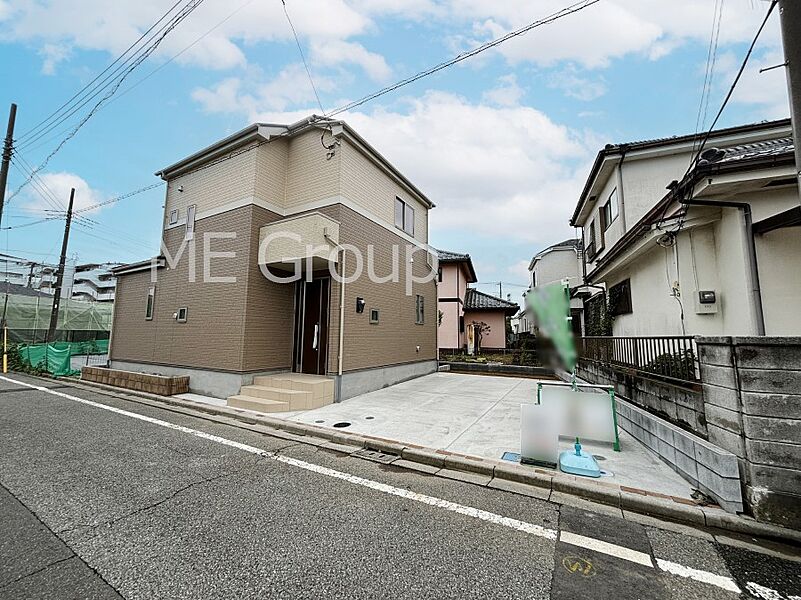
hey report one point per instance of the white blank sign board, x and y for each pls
(585, 415)
(539, 433)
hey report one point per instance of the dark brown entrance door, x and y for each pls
(311, 326)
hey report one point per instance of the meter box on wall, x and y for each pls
(706, 302)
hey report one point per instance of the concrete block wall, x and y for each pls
(752, 394)
(709, 468)
(682, 405)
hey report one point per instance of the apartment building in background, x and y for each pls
(313, 183)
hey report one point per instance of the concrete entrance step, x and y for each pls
(258, 404)
(320, 387)
(297, 399)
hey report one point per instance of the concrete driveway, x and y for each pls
(479, 415)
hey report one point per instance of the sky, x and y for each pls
(502, 143)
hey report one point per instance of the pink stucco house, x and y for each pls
(460, 305)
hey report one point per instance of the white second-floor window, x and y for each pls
(404, 216)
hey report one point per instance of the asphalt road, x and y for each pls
(111, 498)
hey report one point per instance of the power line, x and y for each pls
(573, 8)
(115, 85)
(302, 57)
(30, 145)
(98, 76)
(705, 139)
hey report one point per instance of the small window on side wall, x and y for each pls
(374, 316)
(420, 316)
(173, 216)
(150, 305)
(190, 223)
(620, 298)
(404, 216)
(182, 314)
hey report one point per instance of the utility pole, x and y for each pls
(500, 289)
(12, 117)
(60, 277)
(790, 17)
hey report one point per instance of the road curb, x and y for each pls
(540, 480)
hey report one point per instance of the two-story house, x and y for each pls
(688, 247)
(286, 249)
(557, 263)
(462, 307)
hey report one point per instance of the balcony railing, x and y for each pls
(674, 357)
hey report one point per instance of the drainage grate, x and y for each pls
(375, 455)
(511, 456)
(341, 424)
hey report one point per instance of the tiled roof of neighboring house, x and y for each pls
(475, 300)
(445, 256)
(766, 149)
(6, 287)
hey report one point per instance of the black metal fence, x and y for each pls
(667, 356)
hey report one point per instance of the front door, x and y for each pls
(311, 326)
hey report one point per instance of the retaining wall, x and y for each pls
(682, 405)
(752, 391)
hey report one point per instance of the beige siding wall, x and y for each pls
(269, 310)
(310, 176)
(271, 171)
(213, 187)
(369, 187)
(395, 338)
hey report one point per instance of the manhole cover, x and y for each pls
(375, 455)
(598, 457)
(342, 424)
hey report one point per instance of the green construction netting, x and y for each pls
(32, 313)
(55, 358)
(551, 305)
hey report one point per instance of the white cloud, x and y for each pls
(113, 26)
(253, 94)
(338, 52)
(607, 30)
(519, 270)
(59, 185)
(508, 93)
(765, 92)
(52, 55)
(575, 86)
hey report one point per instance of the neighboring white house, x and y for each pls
(671, 244)
(557, 263)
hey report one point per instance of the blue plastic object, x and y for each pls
(579, 462)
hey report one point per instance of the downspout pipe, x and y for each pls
(753, 269)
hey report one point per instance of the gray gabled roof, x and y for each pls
(475, 300)
(444, 256)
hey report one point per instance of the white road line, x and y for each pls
(589, 543)
(726, 583)
(573, 539)
(454, 507)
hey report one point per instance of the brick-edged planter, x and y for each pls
(141, 382)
